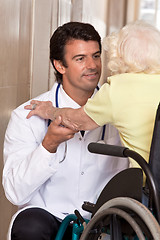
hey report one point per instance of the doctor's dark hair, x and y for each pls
(63, 34)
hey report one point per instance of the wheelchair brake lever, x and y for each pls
(80, 218)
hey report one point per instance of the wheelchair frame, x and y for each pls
(116, 205)
(125, 204)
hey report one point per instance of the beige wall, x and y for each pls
(15, 25)
(26, 27)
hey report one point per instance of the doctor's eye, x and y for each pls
(79, 59)
(98, 55)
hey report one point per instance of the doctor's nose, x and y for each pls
(90, 63)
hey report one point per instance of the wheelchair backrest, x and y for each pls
(154, 158)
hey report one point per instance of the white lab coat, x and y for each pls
(33, 177)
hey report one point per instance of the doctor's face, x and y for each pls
(83, 69)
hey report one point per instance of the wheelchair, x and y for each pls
(125, 209)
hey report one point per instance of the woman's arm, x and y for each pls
(75, 119)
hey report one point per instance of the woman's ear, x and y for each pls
(59, 66)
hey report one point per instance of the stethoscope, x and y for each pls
(57, 106)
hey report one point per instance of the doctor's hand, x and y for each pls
(56, 134)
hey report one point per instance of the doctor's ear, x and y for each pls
(59, 66)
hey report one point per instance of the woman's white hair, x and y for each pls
(135, 48)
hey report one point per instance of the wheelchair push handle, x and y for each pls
(106, 149)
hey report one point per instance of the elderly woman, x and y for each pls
(131, 95)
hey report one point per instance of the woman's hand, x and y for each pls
(43, 109)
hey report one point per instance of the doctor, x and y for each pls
(48, 171)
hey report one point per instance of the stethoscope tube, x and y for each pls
(56, 100)
(56, 96)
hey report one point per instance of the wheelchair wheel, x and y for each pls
(97, 227)
(101, 220)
